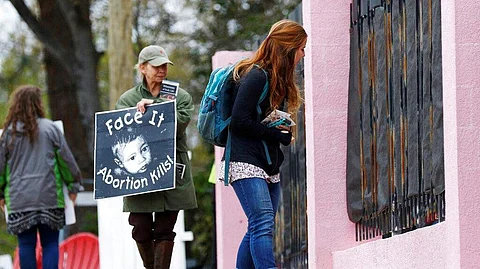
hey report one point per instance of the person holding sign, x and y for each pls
(256, 155)
(153, 215)
(34, 162)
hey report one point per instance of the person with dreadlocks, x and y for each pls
(35, 161)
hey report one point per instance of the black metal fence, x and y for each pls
(291, 248)
(395, 157)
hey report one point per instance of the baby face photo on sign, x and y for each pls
(135, 152)
(131, 153)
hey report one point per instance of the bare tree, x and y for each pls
(120, 49)
(64, 29)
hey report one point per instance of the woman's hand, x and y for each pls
(73, 197)
(142, 103)
(2, 204)
(286, 129)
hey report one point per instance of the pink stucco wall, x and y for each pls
(326, 89)
(463, 23)
(230, 220)
(331, 243)
(452, 244)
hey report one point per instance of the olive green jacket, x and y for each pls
(183, 196)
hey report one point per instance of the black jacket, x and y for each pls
(246, 130)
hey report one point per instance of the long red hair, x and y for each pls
(276, 55)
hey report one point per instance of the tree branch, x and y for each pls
(42, 34)
(68, 11)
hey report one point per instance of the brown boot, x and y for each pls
(146, 252)
(163, 254)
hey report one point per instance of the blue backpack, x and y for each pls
(215, 111)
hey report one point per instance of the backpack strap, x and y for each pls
(228, 149)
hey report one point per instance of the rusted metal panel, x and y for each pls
(395, 131)
(366, 117)
(427, 101)
(354, 173)
(411, 106)
(438, 169)
(381, 112)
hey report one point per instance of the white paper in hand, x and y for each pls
(278, 117)
(69, 207)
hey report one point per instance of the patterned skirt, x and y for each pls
(19, 222)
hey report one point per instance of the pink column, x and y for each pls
(326, 89)
(230, 220)
(331, 235)
(464, 53)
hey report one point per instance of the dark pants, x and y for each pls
(27, 242)
(145, 229)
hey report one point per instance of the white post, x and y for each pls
(179, 258)
(6, 262)
(118, 249)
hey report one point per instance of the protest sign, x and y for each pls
(135, 152)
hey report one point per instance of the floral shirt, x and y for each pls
(241, 170)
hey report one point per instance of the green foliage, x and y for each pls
(103, 82)
(21, 65)
(201, 220)
(89, 220)
(230, 25)
(237, 24)
(8, 242)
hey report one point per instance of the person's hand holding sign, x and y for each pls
(142, 103)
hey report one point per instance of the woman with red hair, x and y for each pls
(256, 155)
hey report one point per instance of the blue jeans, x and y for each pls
(259, 201)
(27, 242)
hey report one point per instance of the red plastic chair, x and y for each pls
(79, 251)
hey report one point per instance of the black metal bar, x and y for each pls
(363, 8)
(403, 48)
(375, 3)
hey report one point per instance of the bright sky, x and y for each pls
(8, 18)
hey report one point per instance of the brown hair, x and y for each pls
(276, 54)
(25, 107)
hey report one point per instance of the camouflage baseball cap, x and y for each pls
(154, 55)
